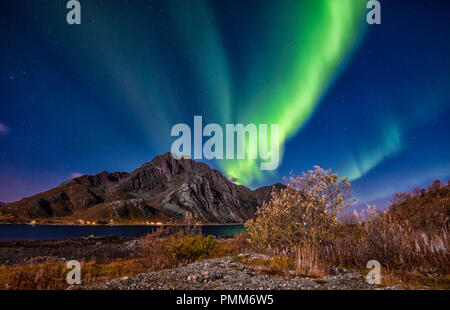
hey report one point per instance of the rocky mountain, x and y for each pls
(265, 193)
(70, 198)
(164, 189)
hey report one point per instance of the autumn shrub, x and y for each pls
(423, 209)
(383, 238)
(152, 247)
(232, 246)
(190, 247)
(304, 214)
(300, 221)
(431, 252)
(398, 247)
(171, 249)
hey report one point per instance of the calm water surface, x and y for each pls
(61, 232)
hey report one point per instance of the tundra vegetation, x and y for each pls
(303, 230)
(410, 240)
(304, 214)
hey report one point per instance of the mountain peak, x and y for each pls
(165, 188)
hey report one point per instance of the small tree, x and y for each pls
(303, 214)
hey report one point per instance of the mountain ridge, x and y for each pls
(165, 189)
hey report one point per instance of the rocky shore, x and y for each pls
(229, 273)
(83, 249)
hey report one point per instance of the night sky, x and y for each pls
(372, 102)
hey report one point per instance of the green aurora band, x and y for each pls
(302, 46)
(324, 33)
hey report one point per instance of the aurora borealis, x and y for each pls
(322, 34)
(370, 102)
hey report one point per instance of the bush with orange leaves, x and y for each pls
(304, 214)
(398, 246)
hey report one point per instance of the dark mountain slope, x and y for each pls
(164, 188)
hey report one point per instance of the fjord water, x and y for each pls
(61, 232)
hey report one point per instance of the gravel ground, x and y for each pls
(83, 249)
(229, 274)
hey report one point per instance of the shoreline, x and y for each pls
(39, 232)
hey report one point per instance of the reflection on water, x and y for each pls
(60, 232)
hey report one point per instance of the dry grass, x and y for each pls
(154, 252)
(278, 266)
(232, 246)
(53, 275)
(414, 252)
(414, 280)
(410, 241)
(309, 263)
